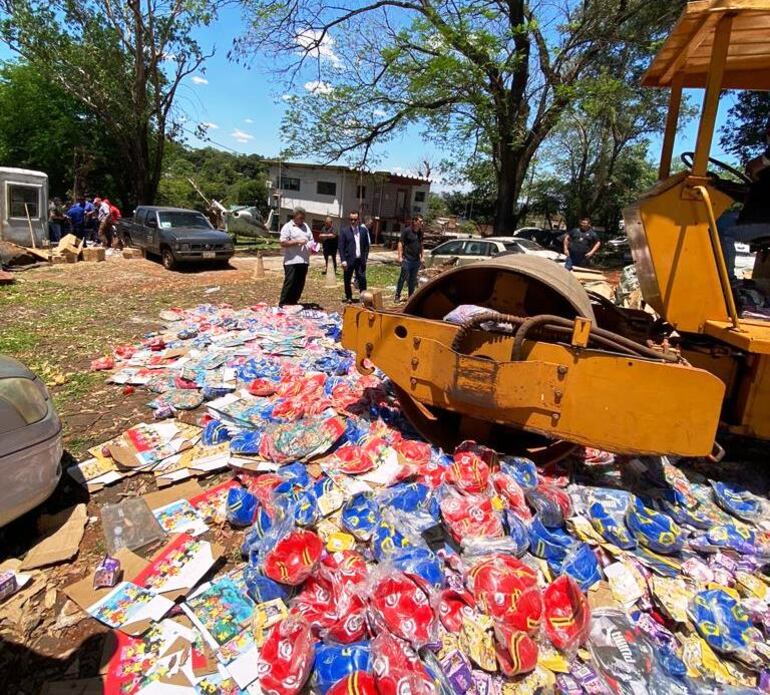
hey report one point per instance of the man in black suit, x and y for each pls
(354, 250)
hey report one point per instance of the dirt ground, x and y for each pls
(57, 320)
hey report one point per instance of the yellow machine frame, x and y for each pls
(715, 45)
(457, 382)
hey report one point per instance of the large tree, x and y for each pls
(43, 126)
(495, 75)
(743, 133)
(124, 60)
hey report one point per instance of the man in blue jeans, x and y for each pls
(410, 254)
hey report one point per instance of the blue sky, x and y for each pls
(246, 107)
(243, 107)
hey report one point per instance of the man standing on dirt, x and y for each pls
(297, 242)
(330, 243)
(580, 244)
(354, 252)
(410, 255)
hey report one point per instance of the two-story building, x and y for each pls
(333, 191)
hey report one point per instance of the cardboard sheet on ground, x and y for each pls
(64, 533)
(83, 593)
(179, 566)
(147, 444)
(130, 608)
(95, 473)
(195, 461)
(174, 512)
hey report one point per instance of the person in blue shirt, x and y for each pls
(77, 217)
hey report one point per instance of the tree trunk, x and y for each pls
(507, 193)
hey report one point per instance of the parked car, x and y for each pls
(176, 235)
(470, 250)
(547, 238)
(30, 441)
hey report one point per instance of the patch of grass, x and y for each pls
(76, 387)
(381, 275)
(16, 341)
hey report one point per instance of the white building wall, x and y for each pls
(14, 226)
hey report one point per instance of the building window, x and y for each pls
(416, 209)
(326, 188)
(396, 227)
(361, 192)
(289, 184)
(419, 197)
(18, 196)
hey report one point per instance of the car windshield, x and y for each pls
(529, 245)
(174, 219)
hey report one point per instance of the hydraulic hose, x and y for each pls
(560, 326)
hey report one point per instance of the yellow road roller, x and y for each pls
(549, 363)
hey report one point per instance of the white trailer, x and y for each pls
(22, 191)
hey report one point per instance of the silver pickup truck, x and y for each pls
(176, 235)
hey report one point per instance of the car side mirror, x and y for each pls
(152, 222)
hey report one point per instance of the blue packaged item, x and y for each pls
(241, 506)
(518, 532)
(670, 662)
(654, 530)
(721, 621)
(612, 527)
(737, 501)
(296, 473)
(211, 392)
(215, 432)
(581, 564)
(187, 333)
(262, 524)
(422, 562)
(688, 517)
(386, 540)
(260, 588)
(732, 536)
(523, 470)
(335, 662)
(550, 544)
(302, 505)
(547, 510)
(246, 443)
(359, 516)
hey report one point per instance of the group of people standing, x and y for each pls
(352, 244)
(89, 219)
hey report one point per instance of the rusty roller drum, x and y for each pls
(514, 284)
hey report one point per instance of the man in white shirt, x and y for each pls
(297, 243)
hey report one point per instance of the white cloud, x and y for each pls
(169, 57)
(248, 120)
(318, 87)
(379, 113)
(286, 97)
(210, 126)
(197, 79)
(240, 136)
(323, 48)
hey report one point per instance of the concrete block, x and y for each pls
(94, 254)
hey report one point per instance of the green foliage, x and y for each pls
(743, 133)
(492, 78)
(123, 61)
(232, 179)
(43, 126)
(437, 207)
